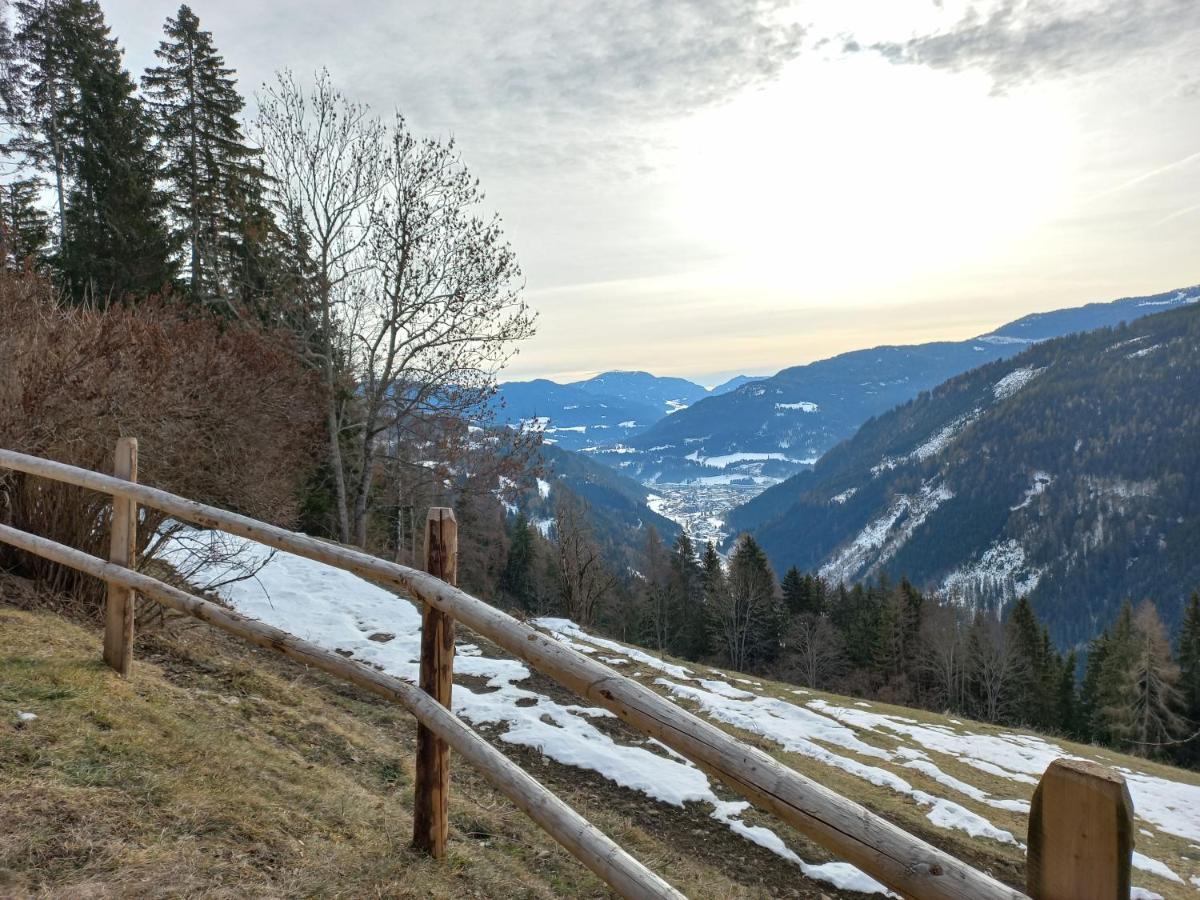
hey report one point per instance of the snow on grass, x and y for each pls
(26, 717)
(1154, 867)
(1170, 806)
(1140, 893)
(798, 730)
(340, 611)
(841, 875)
(1013, 382)
(566, 629)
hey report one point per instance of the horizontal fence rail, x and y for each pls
(903, 862)
(585, 842)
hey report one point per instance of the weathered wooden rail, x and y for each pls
(1070, 854)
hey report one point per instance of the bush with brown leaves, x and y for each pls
(223, 414)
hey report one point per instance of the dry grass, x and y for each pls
(213, 773)
(220, 770)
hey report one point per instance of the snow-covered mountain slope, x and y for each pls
(1069, 474)
(803, 411)
(963, 785)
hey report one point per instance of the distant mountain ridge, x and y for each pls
(600, 411)
(1069, 473)
(777, 426)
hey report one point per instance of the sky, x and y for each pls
(713, 187)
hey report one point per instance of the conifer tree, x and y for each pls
(1031, 665)
(517, 580)
(82, 123)
(747, 616)
(1066, 702)
(1189, 681)
(1154, 722)
(213, 175)
(25, 229)
(687, 601)
(795, 595)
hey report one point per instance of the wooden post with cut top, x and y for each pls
(1080, 834)
(118, 609)
(431, 808)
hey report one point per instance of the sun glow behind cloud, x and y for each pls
(857, 165)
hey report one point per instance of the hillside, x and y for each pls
(1068, 473)
(962, 785)
(774, 427)
(617, 506)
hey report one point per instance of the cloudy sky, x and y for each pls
(710, 187)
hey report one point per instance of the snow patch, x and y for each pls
(999, 575)
(1013, 382)
(803, 406)
(881, 538)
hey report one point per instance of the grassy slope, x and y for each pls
(222, 770)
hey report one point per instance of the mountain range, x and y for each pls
(762, 429)
(601, 411)
(783, 424)
(1069, 473)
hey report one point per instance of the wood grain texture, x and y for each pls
(431, 809)
(905, 863)
(1080, 834)
(119, 603)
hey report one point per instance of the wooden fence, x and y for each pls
(1080, 828)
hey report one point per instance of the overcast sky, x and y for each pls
(714, 187)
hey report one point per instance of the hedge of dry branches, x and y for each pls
(223, 414)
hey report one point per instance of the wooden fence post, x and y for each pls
(1080, 834)
(118, 611)
(431, 808)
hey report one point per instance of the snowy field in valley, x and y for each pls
(965, 781)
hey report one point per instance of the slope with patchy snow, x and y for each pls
(954, 782)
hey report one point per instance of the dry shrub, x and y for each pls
(223, 414)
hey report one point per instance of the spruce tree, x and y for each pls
(213, 175)
(1189, 680)
(795, 594)
(687, 600)
(1031, 666)
(517, 581)
(26, 229)
(1066, 702)
(83, 124)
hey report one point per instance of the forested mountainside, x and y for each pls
(1069, 473)
(781, 424)
(616, 505)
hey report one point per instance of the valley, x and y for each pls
(700, 509)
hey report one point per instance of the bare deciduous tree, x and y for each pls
(325, 158)
(415, 295)
(815, 654)
(439, 312)
(583, 576)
